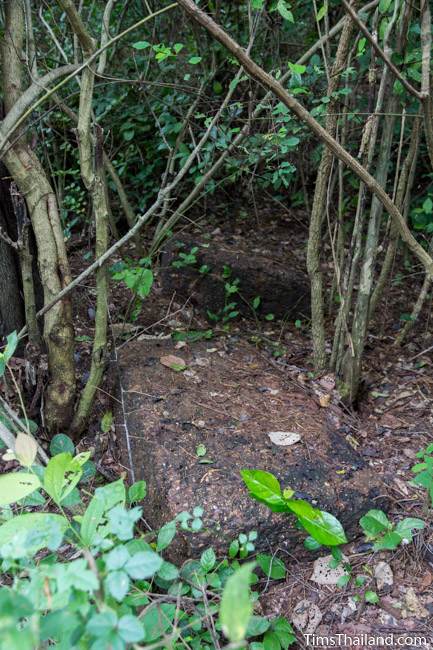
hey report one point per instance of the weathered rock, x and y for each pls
(283, 291)
(217, 403)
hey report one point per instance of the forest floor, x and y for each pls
(393, 422)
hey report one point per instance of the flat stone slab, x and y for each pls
(283, 290)
(229, 398)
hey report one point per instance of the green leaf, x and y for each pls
(271, 641)
(297, 68)
(322, 526)
(264, 487)
(272, 566)
(384, 5)
(404, 528)
(311, 544)
(143, 565)
(236, 606)
(137, 492)
(371, 597)
(194, 60)
(374, 523)
(12, 343)
(157, 620)
(17, 485)
(28, 522)
(130, 629)
(283, 8)
(257, 625)
(61, 443)
(388, 542)
(166, 535)
(102, 625)
(257, 4)
(322, 11)
(284, 632)
(141, 45)
(112, 494)
(117, 584)
(61, 475)
(168, 572)
(208, 559)
(117, 558)
(106, 421)
(92, 518)
(122, 521)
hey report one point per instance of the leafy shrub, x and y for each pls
(81, 576)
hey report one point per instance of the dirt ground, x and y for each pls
(393, 422)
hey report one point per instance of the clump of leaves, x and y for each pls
(424, 471)
(323, 527)
(83, 576)
(384, 533)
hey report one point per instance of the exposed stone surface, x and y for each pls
(283, 291)
(228, 399)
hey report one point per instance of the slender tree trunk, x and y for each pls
(314, 246)
(11, 303)
(34, 185)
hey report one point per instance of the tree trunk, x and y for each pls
(11, 303)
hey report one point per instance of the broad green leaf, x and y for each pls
(130, 629)
(194, 60)
(388, 542)
(284, 632)
(157, 620)
(166, 535)
(236, 606)
(137, 491)
(322, 526)
(17, 485)
(143, 565)
(112, 494)
(92, 518)
(257, 625)
(371, 597)
(311, 544)
(117, 584)
(322, 11)
(208, 559)
(106, 421)
(297, 68)
(141, 45)
(264, 487)
(271, 566)
(26, 523)
(11, 346)
(61, 443)
(271, 641)
(101, 625)
(384, 5)
(374, 523)
(257, 4)
(121, 521)
(405, 527)
(168, 572)
(62, 474)
(283, 8)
